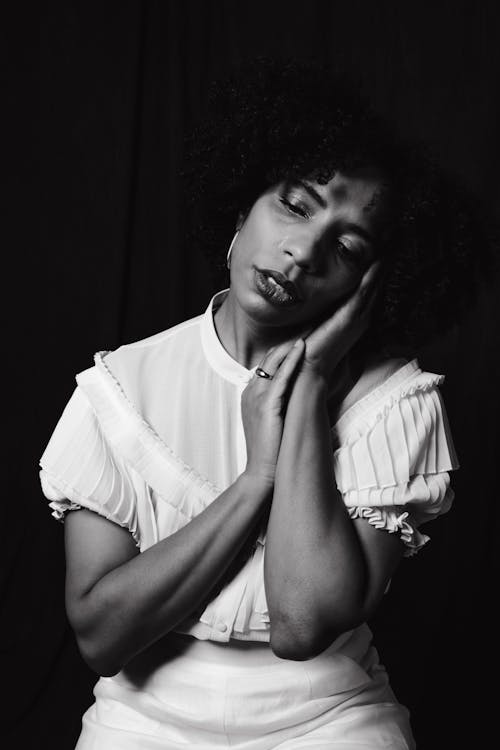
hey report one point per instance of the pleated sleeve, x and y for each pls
(393, 464)
(79, 469)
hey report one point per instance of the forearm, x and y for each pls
(314, 567)
(138, 602)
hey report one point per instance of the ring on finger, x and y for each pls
(263, 374)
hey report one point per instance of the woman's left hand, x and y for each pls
(329, 343)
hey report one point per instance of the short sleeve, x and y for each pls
(393, 467)
(80, 469)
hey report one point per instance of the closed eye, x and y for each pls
(299, 208)
(351, 253)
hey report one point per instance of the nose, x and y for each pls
(305, 250)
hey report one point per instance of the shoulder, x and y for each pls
(397, 408)
(374, 374)
(394, 449)
(145, 372)
(181, 332)
(146, 360)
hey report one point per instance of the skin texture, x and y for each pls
(344, 565)
(121, 602)
(288, 230)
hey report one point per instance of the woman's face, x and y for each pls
(304, 247)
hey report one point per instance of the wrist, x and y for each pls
(312, 381)
(256, 484)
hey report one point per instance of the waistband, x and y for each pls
(354, 644)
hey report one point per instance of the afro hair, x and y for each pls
(275, 121)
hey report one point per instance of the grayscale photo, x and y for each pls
(256, 477)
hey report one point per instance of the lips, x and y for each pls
(282, 282)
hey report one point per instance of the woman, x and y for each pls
(248, 481)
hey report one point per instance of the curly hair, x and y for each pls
(271, 122)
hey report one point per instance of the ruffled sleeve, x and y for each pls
(393, 463)
(79, 469)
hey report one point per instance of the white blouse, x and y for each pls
(153, 433)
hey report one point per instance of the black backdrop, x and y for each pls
(120, 84)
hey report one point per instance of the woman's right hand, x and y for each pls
(263, 407)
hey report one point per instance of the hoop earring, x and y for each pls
(228, 257)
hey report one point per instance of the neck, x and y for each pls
(247, 342)
(244, 338)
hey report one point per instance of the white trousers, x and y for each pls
(199, 695)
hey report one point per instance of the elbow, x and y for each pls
(302, 642)
(297, 645)
(96, 649)
(102, 669)
(97, 659)
(294, 650)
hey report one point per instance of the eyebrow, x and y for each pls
(312, 192)
(348, 226)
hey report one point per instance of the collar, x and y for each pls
(231, 370)
(219, 359)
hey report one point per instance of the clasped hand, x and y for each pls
(328, 343)
(317, 353)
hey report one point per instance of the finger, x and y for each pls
(371, 275)
(350, 320)
(363, 298)
(288, 367)
(308, 332)
(274, 357)
(371, 281)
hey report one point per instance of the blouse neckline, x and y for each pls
(217, 356)
(230, 369)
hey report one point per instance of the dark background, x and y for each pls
(121, 82)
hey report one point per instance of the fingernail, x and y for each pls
(298, 342)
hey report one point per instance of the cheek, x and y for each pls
(254, 240)
(243, 255)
